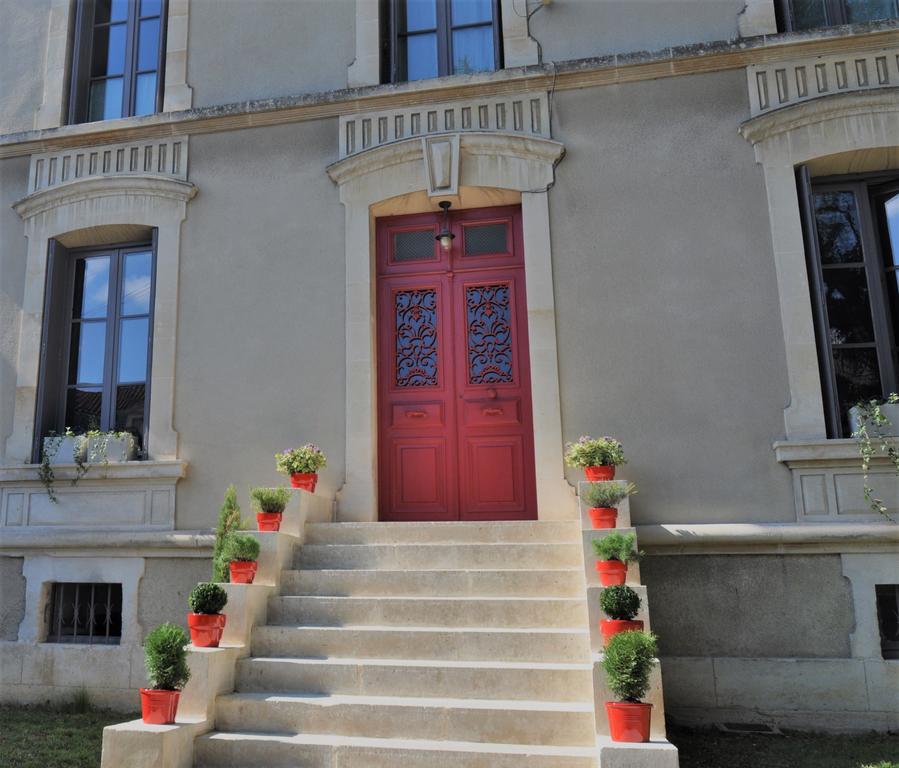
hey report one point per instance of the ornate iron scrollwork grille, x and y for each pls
(416, 338)
(489, 334)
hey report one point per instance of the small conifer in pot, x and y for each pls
(206, 621)
(614, 551)
(165, 657)
(602, 500)
(241, 552)
(621, 604)
(270, 504)
(628, 660)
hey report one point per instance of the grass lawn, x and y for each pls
(712, 749)
(42, 737)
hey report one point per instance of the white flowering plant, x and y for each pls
(594, 452)
(307, 459)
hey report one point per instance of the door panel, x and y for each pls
(455, 424)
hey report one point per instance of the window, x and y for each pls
(853, 241)
(808, 14)
(888, 619)
(97, 340)
(117, 59)
(433, 38)
(85, 613)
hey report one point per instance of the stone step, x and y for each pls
(498, 556)
(249, 750)
(449, 643)
(429, 611)
(520, 531)
(481, 720)
(477, 583)
(656, 753)
(412, 677)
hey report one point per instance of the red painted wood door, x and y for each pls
(455, 426)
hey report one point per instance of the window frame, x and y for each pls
(60, 359)
(889, 649)
(834, 10)
(78, 109)
(395, 71)
(867, 188)
(53, 622)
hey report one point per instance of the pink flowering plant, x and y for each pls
(594, 452)
(307, 459)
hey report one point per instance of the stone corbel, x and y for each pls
(441, 156)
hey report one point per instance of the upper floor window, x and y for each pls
(97, 340)
(433, 38)
(808, 14)
(854, 271)
(117, 59)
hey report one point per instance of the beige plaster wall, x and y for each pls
(260, 358)
(239, 51)
(571, 29)
(757, 606)
(164, 587)
(13, 247)
(12, 597)
(23, 42)
(666, 298)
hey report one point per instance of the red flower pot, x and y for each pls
(242, 571)
(628, 721)
(612, 573)
(304, 480)
(268, 521)
(158, 707)
(611, 627)
(206, 629)
(603, 517)
(598, 474)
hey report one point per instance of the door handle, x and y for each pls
(492, 411)
(415, 414)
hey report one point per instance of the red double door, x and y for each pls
(455, 434)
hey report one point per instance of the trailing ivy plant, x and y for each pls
(617, 546)
(619, 602)
(628, 660)
(872, 435)
(607, 493)
(229, 521)
(165, 658)
(50, 448)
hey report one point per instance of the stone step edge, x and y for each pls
(419, 663)
(435, 598)
(431, 629)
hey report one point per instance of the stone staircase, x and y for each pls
(418, 644)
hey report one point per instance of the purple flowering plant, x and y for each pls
(594, 452)
(306, 459)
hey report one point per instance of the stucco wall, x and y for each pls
(239, 51)
(23, 41)
(163, 591)
(669, 326)
(13, 185)
(758, 606)
(570, 29)
(261, 330)
(12, 597)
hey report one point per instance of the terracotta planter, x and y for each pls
(603, 517)
(158, 707)
(612, 573)
(304, 480)
(611, 627)
(268, 521)
(628, 721)
(206, 629)
(598, 474)
(242, 571)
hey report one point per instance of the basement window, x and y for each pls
(85, 613)
(888, 619)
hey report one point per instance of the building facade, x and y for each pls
(675, 222)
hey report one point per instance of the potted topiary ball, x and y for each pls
(620, 603)
(597, 456)
(628, 660)
(613, 553)
(165, 658)
(206, 621)
(241, 552)
(603, 499)
(301, 465)
(270, 504)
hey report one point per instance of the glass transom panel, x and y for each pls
(417, 245)
(483, 239)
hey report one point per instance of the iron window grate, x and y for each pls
(416, 245)
(888, 619)
(484, 239)
(85, 613)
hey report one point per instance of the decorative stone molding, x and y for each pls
(155, 201)
(166, 158)
(526, 114)
(177, 94)
(395, 172)
(784, 139)
(139, 494)
(781, 84)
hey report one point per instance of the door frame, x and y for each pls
(390, 180)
